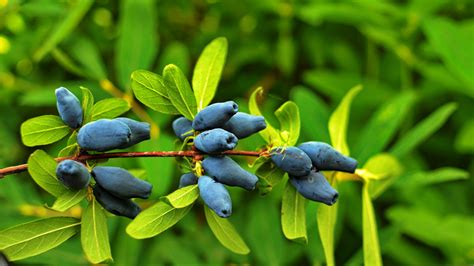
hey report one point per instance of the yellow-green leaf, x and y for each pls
(69, 199)
(269, 134)
(369, 225)
(87, 104)
(293, 215)
(109, 108)
(183, 197)
(179, 91)
(43, 130)
(289, 116)
(42, 169)
(94, 234)
(326, 217)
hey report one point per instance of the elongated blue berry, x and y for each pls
(215, 196)
(187, 180)
(72, 174)
(315, 187)
(140, 130)
(121, 183)
(104, 135)
(291, 160)
(243, 125)
(325, 157)
(182, 128)
(69, 107)
(228, 172)
(215, 115)
(215, 140)
(116, 205)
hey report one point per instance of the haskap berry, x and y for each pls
(69, 107)
(72, 174)
(215, 140)
(215, 196)
(214, 115)
(121, 183)
(104, 135)
(187, 180)
(140, 130)
(228, 172)
(116, 205)
(243, 125)
(325, 157)
(182, 128)
(291, 160)
(315, 187)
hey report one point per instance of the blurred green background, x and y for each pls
(411, 56)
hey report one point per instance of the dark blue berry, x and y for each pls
(214, 115)
(315, 187)
(215, 140)
(325, 157)
(182, 128)
(187, 180)
(72, 174)
(291, 160)
(69, 107)
(140, 131)
(215, 196)
(104, 135)
(243, 125)
(116, 205)
(228, 172)
(121, 183)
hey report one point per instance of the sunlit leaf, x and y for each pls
(94, 234)
(293, 215)
(43, 130)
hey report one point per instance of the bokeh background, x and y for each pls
(418, 53)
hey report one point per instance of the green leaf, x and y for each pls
(441, 175)
(183, 197)
(43, 130)
(369, 227)
(69, 150)
(64, 28)
(150, 89)
(289, 116)
(42, 169)
(225, 232)
(69, 199)
(385, 121)
(109, 108)
(94, 234)
(208, 70)
(339, 121)
(138, 42)
(423, 130)
(293, 215)
(381, 170)
(269, 134)
(87, 104)
(326, 218)
(87, 53)
(464, 143)
(179, 91)
(269, 175)
(33, 238)
(155, 220)
(453, 41)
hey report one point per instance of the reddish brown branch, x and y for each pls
(23, 167)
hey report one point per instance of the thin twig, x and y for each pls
(84, 157)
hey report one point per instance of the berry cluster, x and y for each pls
(218, 127)
(114, 187)
(303, 164)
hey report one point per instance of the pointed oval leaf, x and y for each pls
(269, 134)
(33, 238)
(69, 199)
(339, 121)
(109, 108)
(179, 91)
(225, 232)
(326, 217)
(293, 215)
(87, 104)
(208, 70)
(150, 89)
(289, 116)
(42, 169)
(43, 130)
(183, 197)
(94, 234)
(155, 220)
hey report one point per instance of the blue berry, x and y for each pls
(215, 115)
(187, 180)
(104, 135)
(182, 128)
(215, 140)
(72, 174)
(69, 107)
(121, 183)
(291, 160)
(140, 130)
(116, 205)
(215, 196)
(243, 125)
(228, 172)
(315, 187)
(325, 157)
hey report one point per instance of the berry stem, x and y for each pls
(84, 157)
